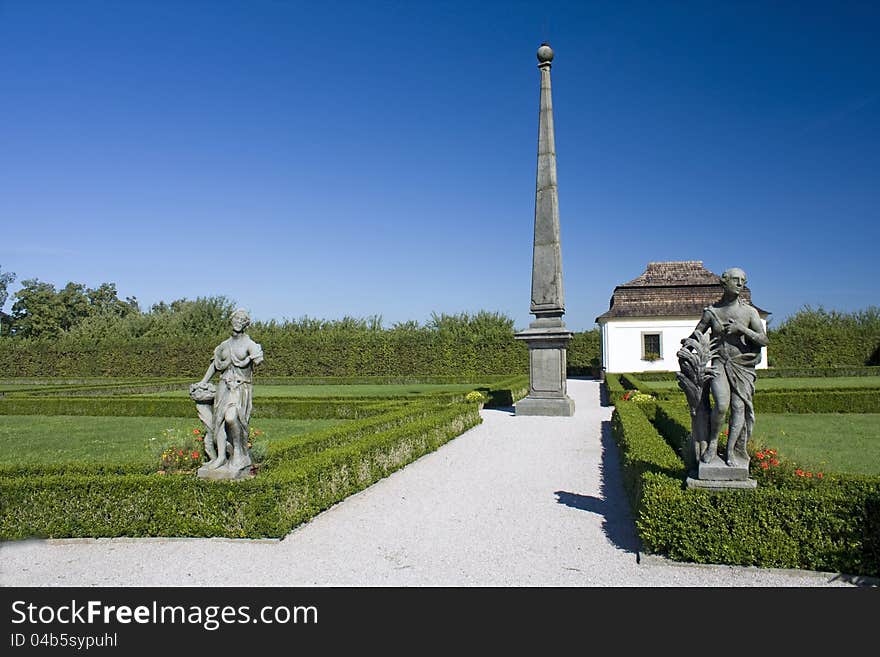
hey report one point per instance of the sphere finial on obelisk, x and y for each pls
(545, 54)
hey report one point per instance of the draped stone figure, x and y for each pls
(225, 409)
(720, 357)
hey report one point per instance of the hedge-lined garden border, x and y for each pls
(107, 385)
(301, 476)
(849, 400)
(100, 389)
(832, 525)
(278, 407)
(287, 492)
(502, 391)
(782, 373)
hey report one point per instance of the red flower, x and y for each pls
(799, 472)
(180, 452)
(760, 455)
(772, 451)
(727, 431)
(774, 462)
(195, 455)
(765, 465)
(810, 475)
(819, 475)
(196, 432)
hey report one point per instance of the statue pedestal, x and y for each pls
(547, 364)
(224, 473)
(717, 475)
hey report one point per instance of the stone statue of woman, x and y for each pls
(226, 442)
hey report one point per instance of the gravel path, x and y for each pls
(515, 501)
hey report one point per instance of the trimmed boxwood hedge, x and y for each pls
(833, 401)
(842, 400)
(643, 451)
(832, 525)
(71, 387)
(653, 376)
(832, 528)
(501, 390)
(100, 389)
(268, 407)
(819, 372)
(614, 386)
(854, 400)
(782, 373)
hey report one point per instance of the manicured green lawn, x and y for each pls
(43, 440)
(829, 442)
(793, 383)
(333, 390)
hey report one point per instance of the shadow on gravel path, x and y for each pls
(613, 506)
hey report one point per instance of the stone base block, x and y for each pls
(718, 470)
(555, 406)
(715, 484)
(224, 473)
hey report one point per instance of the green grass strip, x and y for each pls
(30, 443)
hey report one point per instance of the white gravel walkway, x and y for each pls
(515, 501)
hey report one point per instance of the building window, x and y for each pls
(651, 346)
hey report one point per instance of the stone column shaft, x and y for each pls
(547, 292)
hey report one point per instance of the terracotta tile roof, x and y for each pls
(669, 289)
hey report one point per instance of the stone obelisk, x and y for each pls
(547, 338)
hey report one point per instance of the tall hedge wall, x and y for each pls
(823, 338)
(381, 353)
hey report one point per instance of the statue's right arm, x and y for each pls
(704, 323)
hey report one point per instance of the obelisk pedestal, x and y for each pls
(547, 338)
(547, 365)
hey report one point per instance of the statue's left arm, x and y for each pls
(255, 351)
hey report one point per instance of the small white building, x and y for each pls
(649, 316)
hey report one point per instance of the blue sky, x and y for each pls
(359, 158)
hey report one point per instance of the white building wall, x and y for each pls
(622, 343)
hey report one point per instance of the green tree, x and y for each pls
(190, 318)
(75, 305)
(38, 310)
(104, 299)
(6, 278)
(42, 311)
